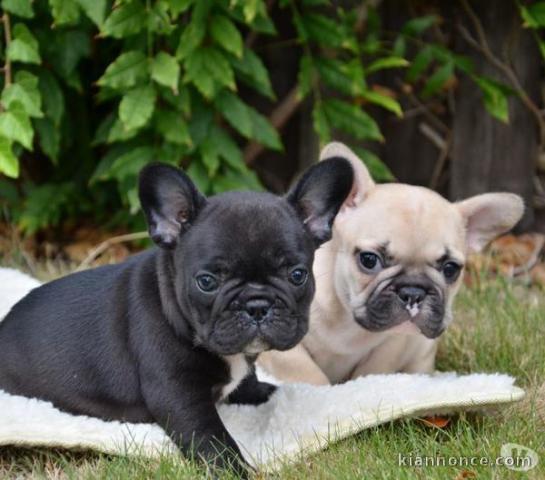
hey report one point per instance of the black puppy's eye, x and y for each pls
(369, 262)
(298, 276)
(207, 283)
(451, 271)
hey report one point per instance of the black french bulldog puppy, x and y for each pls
(168, 333)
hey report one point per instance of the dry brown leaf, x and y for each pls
(436, 421)
(515, 251)
(465, 474)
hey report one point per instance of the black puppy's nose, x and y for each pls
(258, 308)
(411, 294)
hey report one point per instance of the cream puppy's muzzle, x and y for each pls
(404, 298)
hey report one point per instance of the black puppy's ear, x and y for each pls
(170, 202)
(319, 194)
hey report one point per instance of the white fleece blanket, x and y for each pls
(298, 419)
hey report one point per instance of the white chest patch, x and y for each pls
(239, 368)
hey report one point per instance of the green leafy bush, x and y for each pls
(93, 91)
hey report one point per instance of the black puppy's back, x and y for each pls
(68, 341)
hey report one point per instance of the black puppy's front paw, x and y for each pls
(259, 394)
(251, 392)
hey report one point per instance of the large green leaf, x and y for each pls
(386, 62)
(236, 112)
(533, 14)
(15, 125)
(102, 170)
(377, 168)
(324, 30)
(127, 19)
(248, 121)
(172, 153)
(118, 132)
(52, 96)
(351, 119)
(231, 179)
(103, 129)
(207, 68)
(23, 46)
(199, 175)
(165, 70)
(172, 126)
(191, 38)
(321, 124)
(198, 74)
(129, 163)
(264, 132)
(261, 23)
(179, 6)
(419, 25)
(126, 70)
(251, 71)
(419, 64)
(226, 35)
(21, 8)
(229, 150)
(65, 50)
(25, 91)
(193, 34)
(218, 66)
(158, 19)
(400, 46)
(495, 97)
(94, 9)
(250, 9)
(210, 155)
(65, 12)
(384, 101)
(341, 76)
(137, 106)
(180, 100)
(9, 164)
(305, 76)
(541, 45)
(49, 137)
(438, 80)
(202, 119)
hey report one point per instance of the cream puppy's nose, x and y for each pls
(411, 295)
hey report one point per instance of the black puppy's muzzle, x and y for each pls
(257, 318)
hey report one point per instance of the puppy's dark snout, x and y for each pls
(411, 294)
(258, 308)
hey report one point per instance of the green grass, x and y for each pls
(498, 327)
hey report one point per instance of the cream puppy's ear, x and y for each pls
(363, 182)
(488, 216)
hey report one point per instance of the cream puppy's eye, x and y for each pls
(369, 262)
(451, 271)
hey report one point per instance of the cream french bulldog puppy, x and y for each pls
(386, 280)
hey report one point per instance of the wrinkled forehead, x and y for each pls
(249, 234)
(414, 223)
